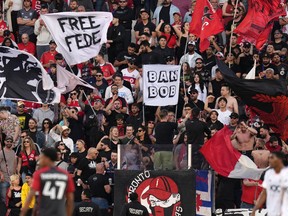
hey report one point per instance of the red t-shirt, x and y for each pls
(47, 57)
(171, 43)
(29, 47)
(272, 148)
(249, 193)
(108, 70)
(31, 157)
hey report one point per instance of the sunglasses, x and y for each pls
(198, 62)
(74, 93)
(140, 130)
(62, 144)
(194, 93)
(26, 141)
(150, 122)
(98, 75)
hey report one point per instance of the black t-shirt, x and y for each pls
(149, 58)
(195, 130)
(105, 154)
(164, 133)
(134, 209)
(279, 46)
(124, 56)
(23, 120)
(216, 125)
(87, 208)
(262, 68)
(89, 115)
(165, 14)
(164, 53)
(81, 155)
(33, 135)
(88, 168)
(140, 27)
(102, 88)
(199, 104)
(283, 70)
(96, 183)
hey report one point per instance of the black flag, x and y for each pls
(266, 98)
(21, 78)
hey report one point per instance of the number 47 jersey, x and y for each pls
(52, 185)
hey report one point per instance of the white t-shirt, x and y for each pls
(272, 183)
(130, 77)
(284, 188)
(224, 117)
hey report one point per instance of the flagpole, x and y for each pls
(232, 30)
(94, 113)
(143, 113)
(188, 64)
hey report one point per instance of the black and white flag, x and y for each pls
(22, 77)
(79, 36)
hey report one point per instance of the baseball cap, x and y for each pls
(191, 43)
(194, 91)
(52, 41)
(9, 138)
(20, 103)
(161, 187)
(234, 115)
(246, 45)
(6, 33)
(178, 13)
(96, 98)
(143, 10)
(266, 55)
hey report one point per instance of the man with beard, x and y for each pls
(246, 59)
(163, 196)
(135, 118)
(134, 207)
(243, 139)
(281, 67)
(193, 100)
(146, 55)
(200, 69)
(48, 57)
(165, 12)
(112, 110)
(209, 59)
(7, 167)
(144, 23)
(266, 63)
(122, 58)
(264, 134)
(100, 83)
(73, 6)
(191, 56)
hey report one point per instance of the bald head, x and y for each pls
(100, 168)
(92, 153)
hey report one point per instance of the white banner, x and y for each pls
(161, 84)
(78, 36)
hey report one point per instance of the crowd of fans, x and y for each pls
(87, 126)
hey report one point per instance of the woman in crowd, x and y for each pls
(231, 61)
(168, 32)
(182, 36)
(199, 85)
(65, 151)
(145, 144)
(14, 196)
(213, 122)
(114, 138)
(7, 42)
(186, 74)
(228, 10)
(27, 158)
(46, 127)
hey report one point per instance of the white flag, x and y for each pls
(251, 74)
(79, 36)
(23, 77)
(67, 81)
(161, 84)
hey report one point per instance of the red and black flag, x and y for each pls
(205, 23)
(266, 98)
(258, 22)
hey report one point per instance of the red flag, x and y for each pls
(226, 160)
(205, 23)
(256, 25)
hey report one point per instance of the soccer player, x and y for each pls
(54, 186)
(271, 186)
(284, 187)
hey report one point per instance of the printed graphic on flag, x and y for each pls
(204, 193)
